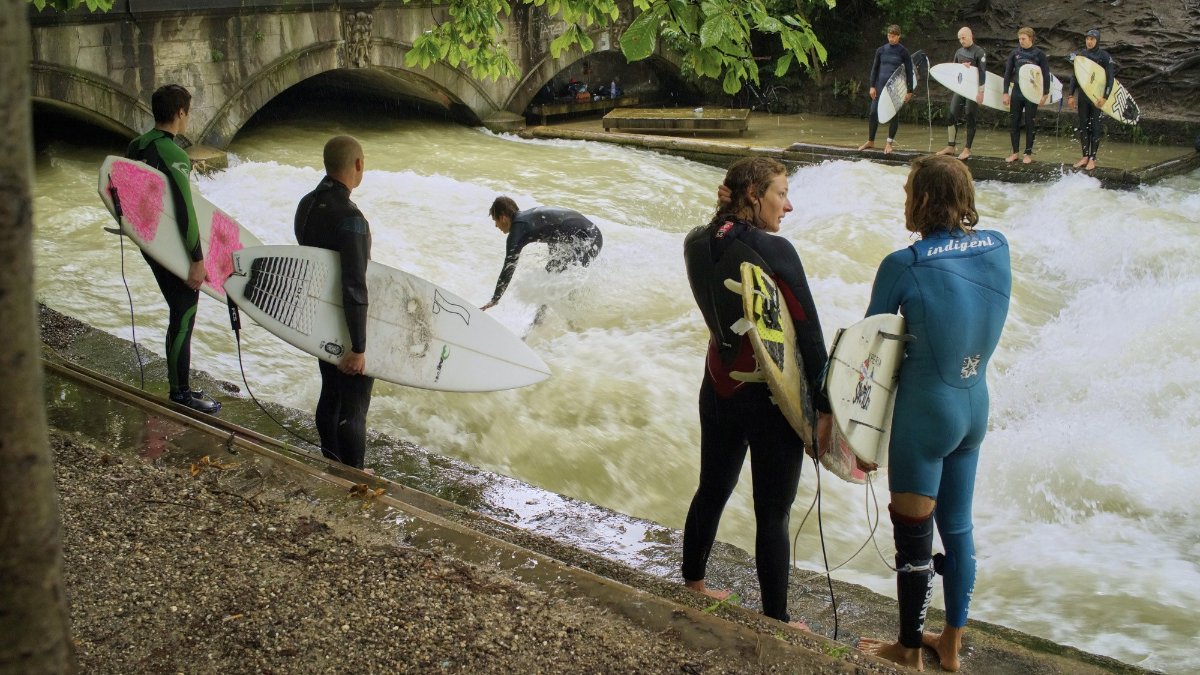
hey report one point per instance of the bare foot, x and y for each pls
(699, 587)
(1028, 159)
(1080, 164)
(887, 148)
(1091, 165)
(1011, 158)
(892, 651)
(948, 150)
(800, 625)
(947, 645)
(965, 154)
(867, 146)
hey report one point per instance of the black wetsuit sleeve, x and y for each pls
(910, 71)
(875, 66)
(1010, 71)
(354, 249)
(1110, 74)
(788, 271)
(512, 254)
(980, 62)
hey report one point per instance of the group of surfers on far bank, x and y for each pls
(954, 298)
(1022, 111)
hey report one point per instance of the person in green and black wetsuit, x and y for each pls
(573, 239)
(172, 105)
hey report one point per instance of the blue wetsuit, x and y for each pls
(953, 290)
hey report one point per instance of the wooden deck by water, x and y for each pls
(678, 119)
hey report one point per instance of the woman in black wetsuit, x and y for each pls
(733, 413)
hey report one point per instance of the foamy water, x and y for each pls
(1085, 514)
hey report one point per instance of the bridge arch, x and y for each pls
(449, 89)
(90, 97)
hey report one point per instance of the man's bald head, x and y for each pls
(965, 37)
(344, 160)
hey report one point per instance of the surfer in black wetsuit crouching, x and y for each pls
(573, 239)
(735, 413)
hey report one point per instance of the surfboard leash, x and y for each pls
(235, 322)
(821, 536)
(137, 354)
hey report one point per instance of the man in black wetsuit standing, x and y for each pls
(1089, 113)
(326, 218)
(573, 239)
(888, 58)
(962, 108)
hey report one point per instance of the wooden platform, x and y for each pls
(567, 107)
(678, 119)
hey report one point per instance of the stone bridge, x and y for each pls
(236, 56)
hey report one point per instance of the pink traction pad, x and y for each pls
(224, 239)
(140, 190)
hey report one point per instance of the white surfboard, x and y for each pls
(891, 99)
(863, 370)
(1029, 79)
(963, 79)
(1090, 77)
(418, 334)
(767, 323)
(147, 215)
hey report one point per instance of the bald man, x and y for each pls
(326, 218)
(961, 107)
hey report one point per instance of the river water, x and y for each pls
(1087, 526)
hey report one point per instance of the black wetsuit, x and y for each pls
(572, 239)
(326, 218)
(962, 107)
(888, 58)
(1022, 111)
(158, 149)
(1089, 115)
(734, 414)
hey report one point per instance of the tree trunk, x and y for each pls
(34, 623)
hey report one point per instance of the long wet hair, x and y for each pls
(941, 196)
(748, 180)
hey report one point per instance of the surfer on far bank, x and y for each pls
(734, 412)
(888, 58)
(1023, 111)
(572, 239)
(953, 288)
(1090, 129)
(326, 218)
(962, 107)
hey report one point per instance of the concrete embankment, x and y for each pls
(94, 403)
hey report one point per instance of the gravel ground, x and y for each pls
(171, 572)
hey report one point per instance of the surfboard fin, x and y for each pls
(741, 326)
(114, 230)
(907, 337)
(743, 376)
(734, 285)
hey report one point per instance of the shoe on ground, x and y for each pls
(196, 400)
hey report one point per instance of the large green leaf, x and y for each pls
(638, 41)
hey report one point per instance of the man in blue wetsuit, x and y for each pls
(172, 106)
(1089, 113)
(734, 412)
(961, 108)
(1021, 110)
(326, 218)
(573, 239)
(888, 58)
(953, 289)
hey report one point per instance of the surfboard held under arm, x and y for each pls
(767, 323)
(418, 334)
(139, 196)
(861, 382)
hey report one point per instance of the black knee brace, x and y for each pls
(914, 574)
